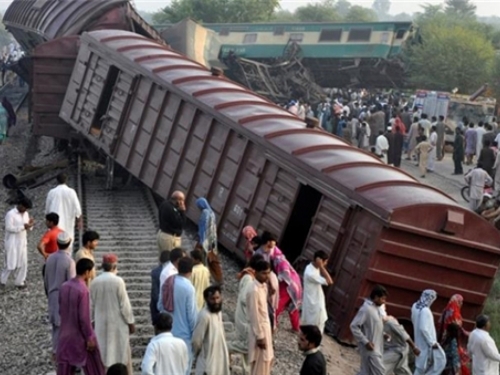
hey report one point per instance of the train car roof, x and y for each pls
(333, 164)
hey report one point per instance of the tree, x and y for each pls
(217, 11)
(360, 14)
(382, 7)
(342, 7)
(283, 15)
(460, 8)
(317, 13)
(450, 57)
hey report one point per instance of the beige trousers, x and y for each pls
(261, 368)
(167, 241)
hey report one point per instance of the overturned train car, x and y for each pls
(49, 32)
(175, 125)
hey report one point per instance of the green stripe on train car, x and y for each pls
(313, 51)
(305, 27)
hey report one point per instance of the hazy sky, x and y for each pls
(484, 7)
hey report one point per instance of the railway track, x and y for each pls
(126, 221)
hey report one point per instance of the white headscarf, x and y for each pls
(427, 299)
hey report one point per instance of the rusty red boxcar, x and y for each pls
(176, 126)
(49, 32)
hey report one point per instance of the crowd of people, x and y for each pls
(92, 318)
(384, 344)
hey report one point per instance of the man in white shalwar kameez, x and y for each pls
(17, 223)
(382, 147)
(313, 303)
(433, 138)
(63, 200)
(482, 348)
(425, 337)
(209, 341)
(477, 179)
(165, 353)
(112, 312)
(367, 329)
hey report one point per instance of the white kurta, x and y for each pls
(382, 147)
(313, 303)
(484, 353)
(209, 344)
(425, 338)
(480, 130)
(165, 354)
(477, 179)
(63, 201)
(168, 270)
(112, 312)
(433, 153)
(16, 240)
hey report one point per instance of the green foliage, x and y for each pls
(342, 7)
(492, 309)
(449, 57)
(360, 14)
(317, 13)
(217, 11)
(5, 37)
(460, 8)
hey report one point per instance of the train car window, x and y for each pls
(250, 38)
(360, 35)
(400, 34)
(107, 93)
(330, 35)
(279, 30)
(224, 31)
(296, 37)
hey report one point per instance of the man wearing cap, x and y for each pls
(112, 312)
(59, 268)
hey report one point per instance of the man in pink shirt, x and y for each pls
(77, 346)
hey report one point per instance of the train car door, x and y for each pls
(326, 225)
(111, 108)
(348, 266)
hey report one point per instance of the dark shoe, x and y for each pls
(20, 287)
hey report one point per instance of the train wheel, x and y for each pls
(465, 193)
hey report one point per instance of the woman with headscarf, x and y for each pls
(207, 238)
(454, 346)
(249, 233)
(289, 287)
(432, 358)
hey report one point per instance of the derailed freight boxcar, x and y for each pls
(175, 125)
(49, 32)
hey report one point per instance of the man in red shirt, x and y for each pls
(48, 243)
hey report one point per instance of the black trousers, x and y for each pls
(458, 166)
